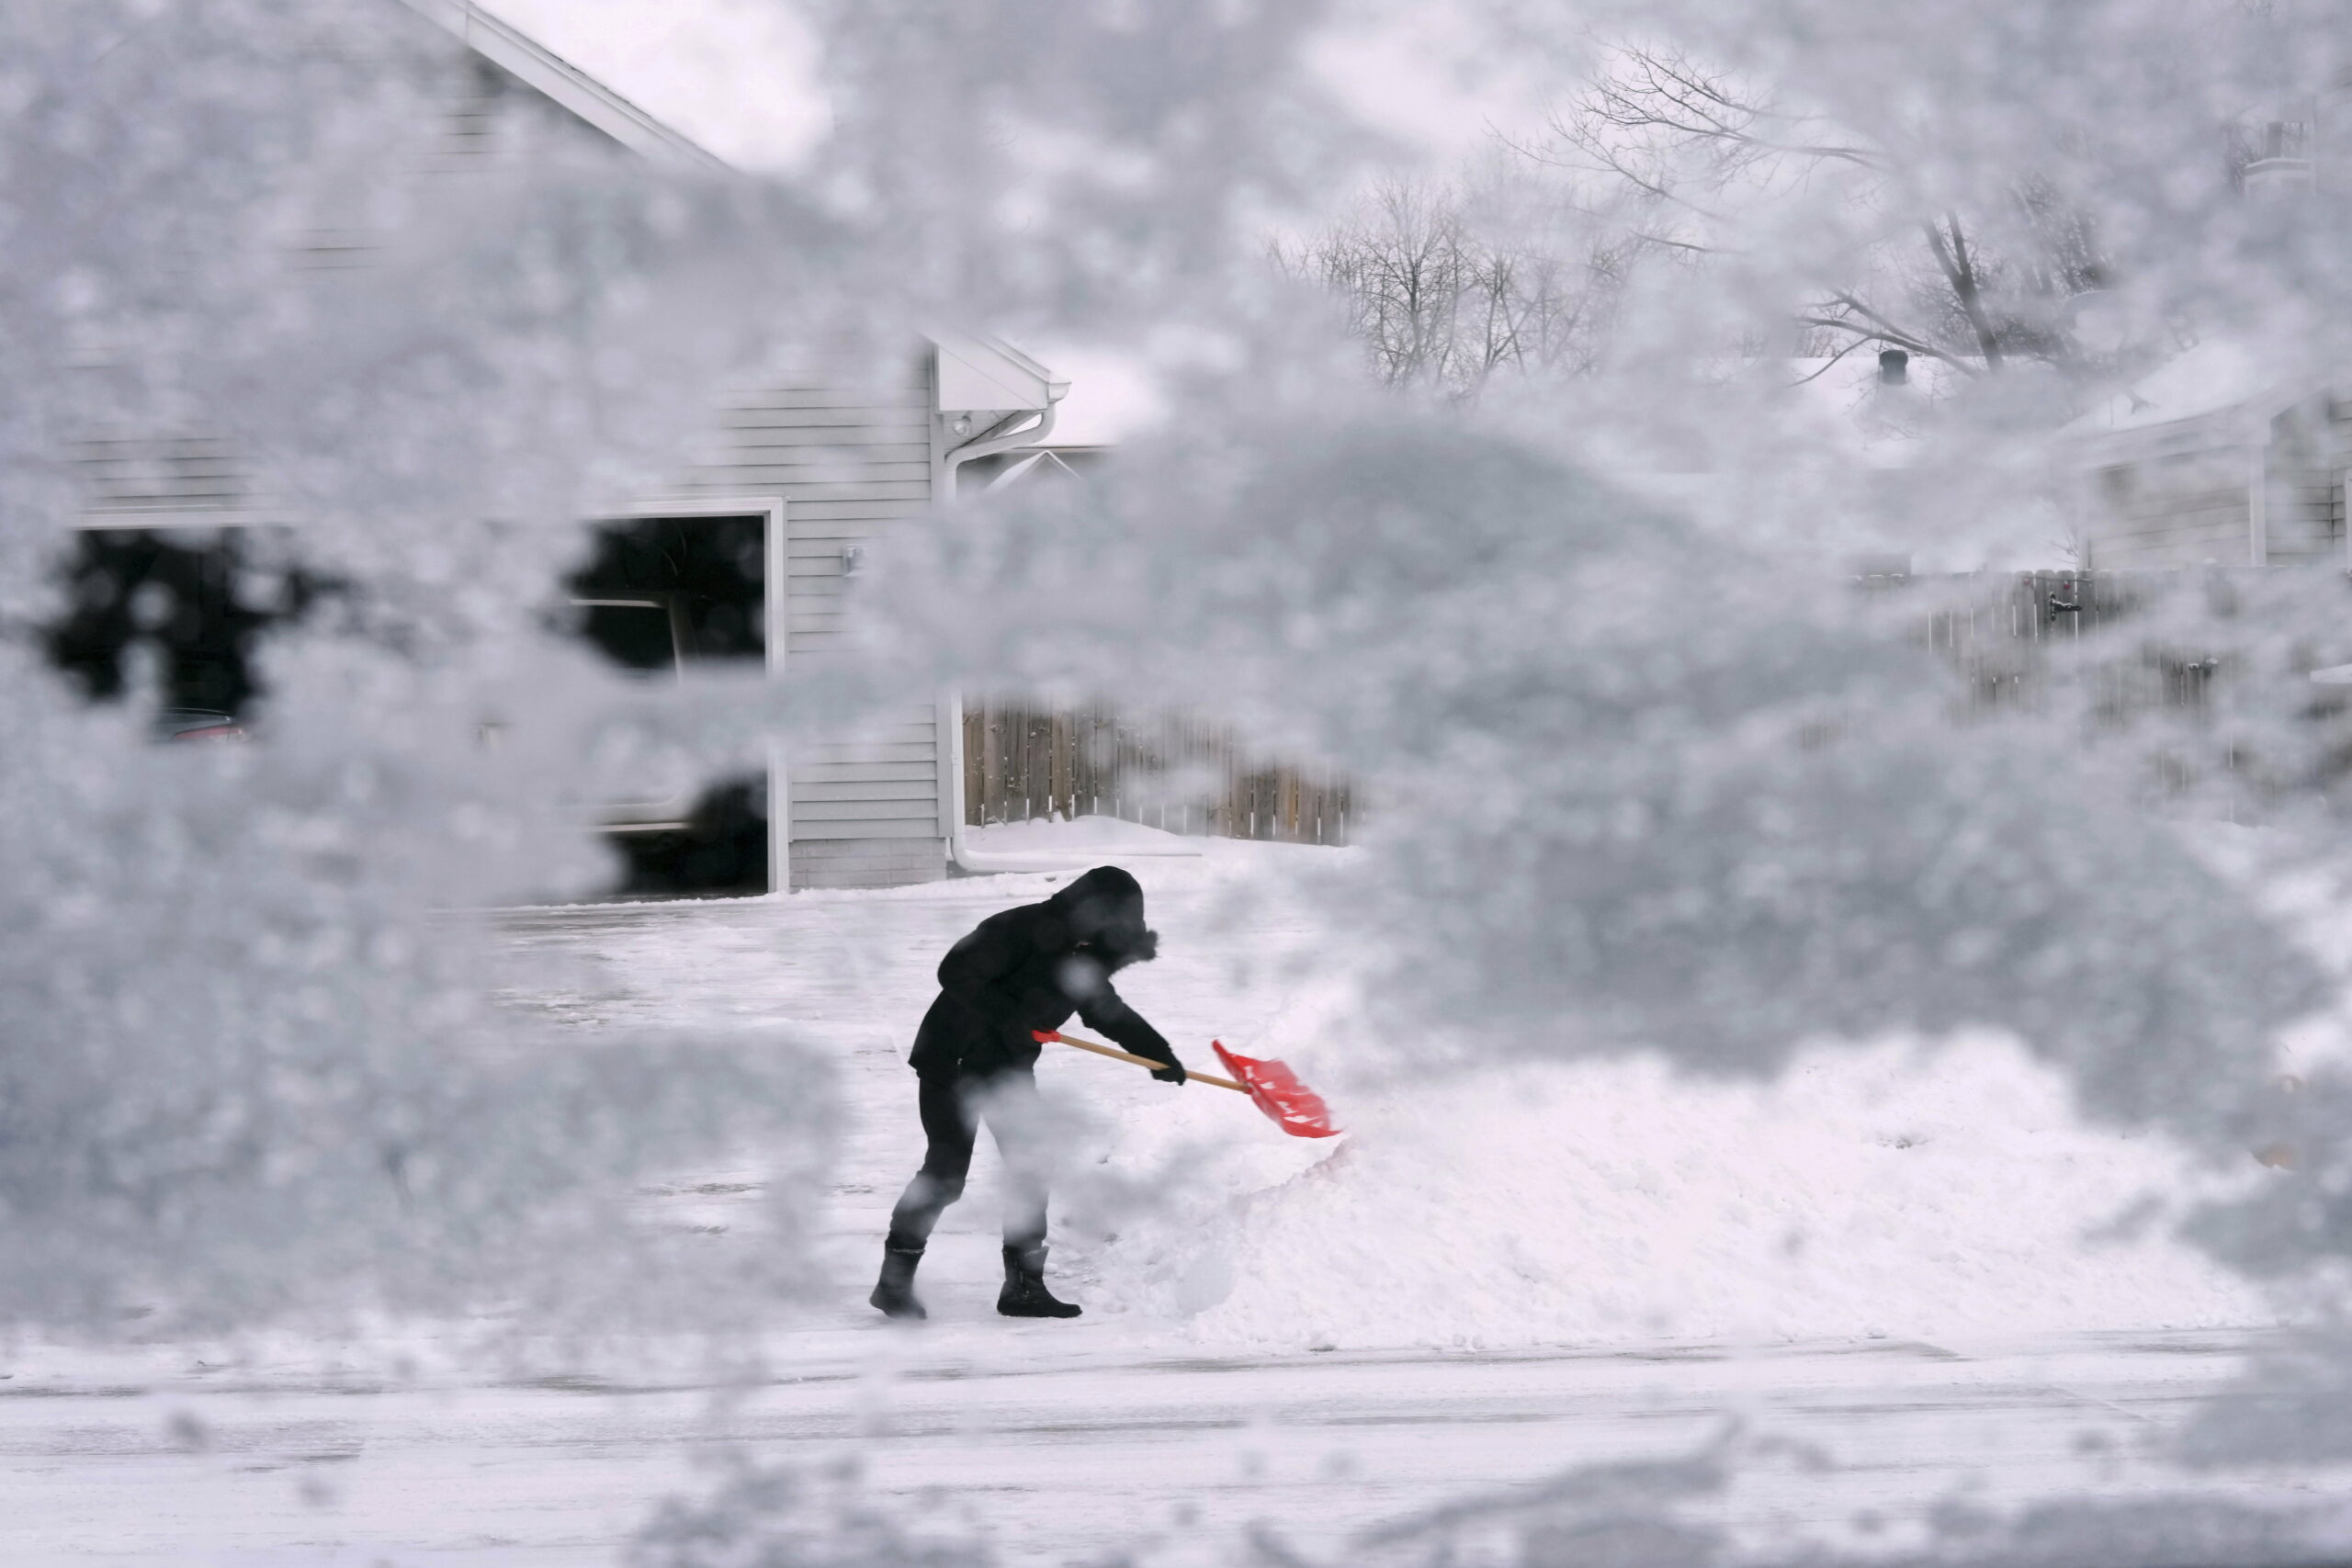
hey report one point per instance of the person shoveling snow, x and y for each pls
(1016, 975)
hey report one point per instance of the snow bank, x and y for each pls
(1054, 844)
(1892, 1190)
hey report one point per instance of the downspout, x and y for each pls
(986, 446)
(2257, 504)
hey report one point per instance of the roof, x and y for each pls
(710, 83)
(2215, 376)
(715, 82)
(989, 375)
(1838, 408)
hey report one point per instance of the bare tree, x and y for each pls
(1448, 284)
(1662, 161)
(1676, 154)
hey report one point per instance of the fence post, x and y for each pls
(976, 773)
(991, 763)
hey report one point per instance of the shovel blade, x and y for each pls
(1294, 1108)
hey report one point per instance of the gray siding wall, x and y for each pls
(2179, 510)
(2278, 503)
(2299, 507)
(130, 479)
(850, 452)
(2303, 494)
(488, 119)
(480, 120)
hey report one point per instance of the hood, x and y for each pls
(1104, 908)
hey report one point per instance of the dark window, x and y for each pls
(186, 594)
(660, 592)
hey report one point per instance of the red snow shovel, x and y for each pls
(1294, 1108)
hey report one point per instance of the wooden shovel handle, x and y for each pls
(1118, 1055)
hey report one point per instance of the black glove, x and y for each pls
(1172, 1072)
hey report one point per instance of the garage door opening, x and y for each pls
(662, 597)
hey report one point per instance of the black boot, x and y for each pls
(895, 1292)
(1024, 1293)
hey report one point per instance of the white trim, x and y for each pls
(939, 476)
(532, 63)
(2234, 424)
(776, 605)
(2258, 507)
(988, 374)
(1031, 463)
(102, 521)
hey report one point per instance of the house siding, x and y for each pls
(482, 120)
(2302, 487)
(134, 480)
(2242, 487)
(489, 118)
(850, 453)
(2181, 509)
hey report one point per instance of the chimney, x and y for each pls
(2281, 165)
(1894, 367)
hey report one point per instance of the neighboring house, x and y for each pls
(2211, 459)
(2218, 455)
(799, 472)
(2296, 146)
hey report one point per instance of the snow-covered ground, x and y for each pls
(1910, 1255)
(1901, 1188)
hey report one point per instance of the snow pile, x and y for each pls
(1890, 1190)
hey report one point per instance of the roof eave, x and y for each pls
(532, 63)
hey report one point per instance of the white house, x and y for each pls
(2214, 458)
(815, 464)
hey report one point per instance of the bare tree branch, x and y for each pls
(1440, 306)
(1685, 146)
(1966, 289)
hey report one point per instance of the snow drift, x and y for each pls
(1899, 1189)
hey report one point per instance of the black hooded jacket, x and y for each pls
(1030, 969)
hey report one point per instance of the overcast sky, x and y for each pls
(743, 77)
(738, 76)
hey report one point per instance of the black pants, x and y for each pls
(953, 1107)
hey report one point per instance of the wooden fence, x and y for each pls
(2036, 606)
(1999, 626)
(1188, 775)
(1174, 770)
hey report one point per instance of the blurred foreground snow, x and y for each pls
(1645, 778)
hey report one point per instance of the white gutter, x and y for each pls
(960, 854)
(965, 858)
